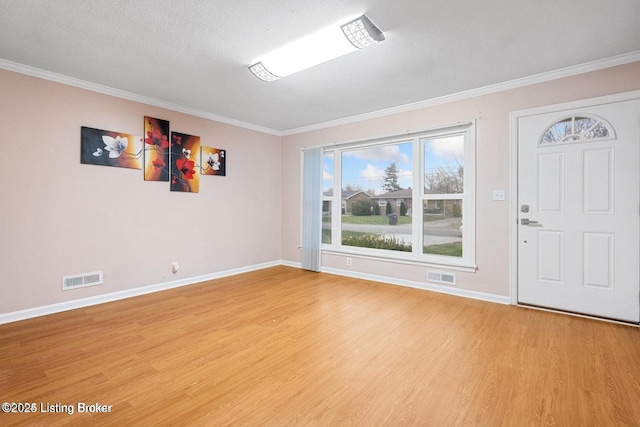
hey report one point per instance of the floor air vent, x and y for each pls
(81, 280)
(441, 277)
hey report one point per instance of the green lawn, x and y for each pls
(368, 240)
(373, 219)
(352, 238)
(447, 249)
(377, 241)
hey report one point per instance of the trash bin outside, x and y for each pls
(393, 219)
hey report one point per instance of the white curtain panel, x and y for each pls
(311, 208)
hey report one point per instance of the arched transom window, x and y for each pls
(577, 129)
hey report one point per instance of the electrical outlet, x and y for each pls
(349, 262)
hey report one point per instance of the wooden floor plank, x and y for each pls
(282, 346)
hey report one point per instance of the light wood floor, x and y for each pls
(283, 346)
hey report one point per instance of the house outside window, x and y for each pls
(434, 170)
(396, 198)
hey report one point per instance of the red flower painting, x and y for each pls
(158, 163)
(155, 137)
(185, 170)
(156, 151)
(186, 166)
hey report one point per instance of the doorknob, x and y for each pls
(527, 221)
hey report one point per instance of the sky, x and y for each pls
(366, 167)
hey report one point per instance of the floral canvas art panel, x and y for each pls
(108, 148)
(156, 149)
(185, 170)
(213, 161)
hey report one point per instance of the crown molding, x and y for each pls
(485, 90)
(83, 84)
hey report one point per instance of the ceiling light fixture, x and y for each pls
(317, 48)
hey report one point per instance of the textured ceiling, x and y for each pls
(194, 53)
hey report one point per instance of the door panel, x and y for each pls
(598, 260)
(551, 256)
(578, 240)
(551, 182)
(598, 181)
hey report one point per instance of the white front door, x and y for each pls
(579, 210)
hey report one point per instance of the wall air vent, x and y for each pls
(441, 277)
(81, 280)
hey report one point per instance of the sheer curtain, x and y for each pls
(311, 208)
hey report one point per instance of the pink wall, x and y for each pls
(492, 114)
(61, 217)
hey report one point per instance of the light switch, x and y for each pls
(499, 195)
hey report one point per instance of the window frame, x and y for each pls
(416, 257)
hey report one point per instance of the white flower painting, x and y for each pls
(106, 148)
(213, 161)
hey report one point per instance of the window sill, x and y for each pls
(401, 258)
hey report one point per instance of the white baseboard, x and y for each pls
(291, 264)
(129, 293)
(482, 296)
